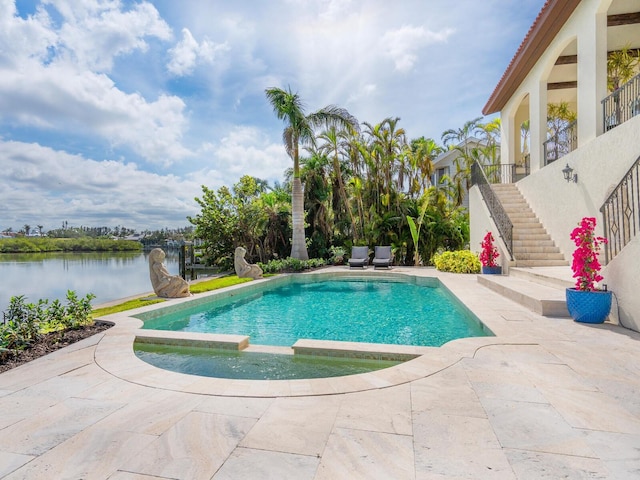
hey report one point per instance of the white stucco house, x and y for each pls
(563, 58)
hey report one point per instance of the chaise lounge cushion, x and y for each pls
(359, 257)
(382, 257)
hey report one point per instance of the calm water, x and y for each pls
(359, 311)
(251, 365)
(109, 276)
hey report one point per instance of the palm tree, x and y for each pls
(332, 147)
(300, 130)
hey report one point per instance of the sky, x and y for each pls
(116, 112)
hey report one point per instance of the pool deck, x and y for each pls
(544, 398)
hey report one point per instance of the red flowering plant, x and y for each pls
(489, 251)
(586, 266)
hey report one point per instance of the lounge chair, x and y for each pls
(383, 257)
(359, 257)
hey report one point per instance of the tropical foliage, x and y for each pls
(23, 323)
(363, 184)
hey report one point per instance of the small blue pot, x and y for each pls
(492, 270)
(588, 307)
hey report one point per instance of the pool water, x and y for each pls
(251, 365)
(354, 310)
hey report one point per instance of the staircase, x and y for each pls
(532, 245)
(541, 274)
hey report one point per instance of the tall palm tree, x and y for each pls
(300, 130)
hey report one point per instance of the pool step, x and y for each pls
(545, 299)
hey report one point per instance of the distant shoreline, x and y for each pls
(84, 244)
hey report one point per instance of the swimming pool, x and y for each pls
(372, 309)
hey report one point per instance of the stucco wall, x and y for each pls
(600, 165)
(621, 277)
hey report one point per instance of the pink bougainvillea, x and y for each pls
(586, 266)
(489, 251)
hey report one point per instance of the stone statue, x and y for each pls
(243, 268)
(164, 284)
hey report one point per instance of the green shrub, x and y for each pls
(24, 322)
(460, 261)
(291, 265)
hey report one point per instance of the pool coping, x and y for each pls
(115, 353)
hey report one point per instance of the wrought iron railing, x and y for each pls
(563, 142)
(622, 104)
(496, 210)
(621, 212)
(506, 172)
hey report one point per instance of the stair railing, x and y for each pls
(621, 213)
(496, 210)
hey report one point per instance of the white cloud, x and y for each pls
(243, 151)
(66, 89)
(44, 186)
(186, 54)
(403, 44)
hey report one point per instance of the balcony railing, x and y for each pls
(506, 172)
(622, 104)
(562, 143)
(621, 212)
(496, 210)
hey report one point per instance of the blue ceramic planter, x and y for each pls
(588, 307)
(492, 270)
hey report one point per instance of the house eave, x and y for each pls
(546, 26)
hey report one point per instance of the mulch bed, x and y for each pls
(49, 343)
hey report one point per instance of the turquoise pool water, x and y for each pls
(371, 310)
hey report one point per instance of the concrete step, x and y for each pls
(530, 237)
(533, 243)
(542, 299)
(539, 256)
(559, 277)
(536, 249)
(527, 231)
(541, 263)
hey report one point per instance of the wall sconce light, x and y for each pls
(569, 176)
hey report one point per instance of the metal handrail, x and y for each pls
(496, 210)
(506, 172)
(563, 142)
(621, 213)
(622, 104)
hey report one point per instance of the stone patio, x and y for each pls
(544, 398)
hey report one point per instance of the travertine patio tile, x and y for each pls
(358, 454)
(592, 410)
(295, 425)
(113, 389)
(93, 454)
(534, 426)
(153, 414)
(194, 448)
(462, 463)
(12, 461)
(551, 375)
(265, 465)
(135, 476)
(52, 426)
(434, 430)
(239, 407)
(387, 410)
(446, 396)
(17, 406)
(530, 465)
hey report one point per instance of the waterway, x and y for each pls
(109, 276)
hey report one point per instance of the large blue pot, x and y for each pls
(588, 307)
(492, 270)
